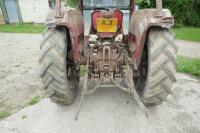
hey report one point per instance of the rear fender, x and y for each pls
(73, 20)
(140, 23)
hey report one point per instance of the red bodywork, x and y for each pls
(73, 21)
(140, 22)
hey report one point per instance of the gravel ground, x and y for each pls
(113, 111)
(18, 70)
(188, 48)
(108, 110)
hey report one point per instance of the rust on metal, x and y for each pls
(141, 21)
(58, 8)
(73, 20)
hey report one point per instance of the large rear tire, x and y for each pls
(158, 67)
(57, 69)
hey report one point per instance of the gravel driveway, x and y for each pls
(18, 69)
(106, 111)
(113, 111)
(188, 48)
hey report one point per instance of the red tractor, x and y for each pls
(119, 46)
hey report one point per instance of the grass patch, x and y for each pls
(22, 28)
(72, 3)
(188, 33)
(83, 71)
(189, 65)
(24, 117)
(4, 115)
(33, 101)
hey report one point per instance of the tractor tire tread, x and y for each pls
(162, 66)
(52, 61)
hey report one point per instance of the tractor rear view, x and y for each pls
(120, 47)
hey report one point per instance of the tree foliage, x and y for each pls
(186, 12)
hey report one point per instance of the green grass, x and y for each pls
(71, 3)
(189, 65)
(24, 117)
(188, 33)
(4, 115)
(83, 71)
(33, 101)
(22, 28)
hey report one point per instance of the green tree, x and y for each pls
(186, 12)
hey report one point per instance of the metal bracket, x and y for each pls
(85, 86)
(131, 90)
(51, 23)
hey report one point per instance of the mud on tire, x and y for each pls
(158, 67)
(56, 68)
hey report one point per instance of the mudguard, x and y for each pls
(140, 23)
(73, 20)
